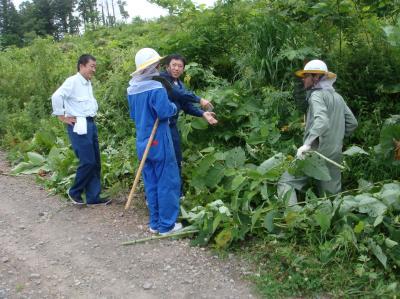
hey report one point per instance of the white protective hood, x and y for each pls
(142, 81)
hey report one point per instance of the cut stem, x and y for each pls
(178, 234)
(329, 160)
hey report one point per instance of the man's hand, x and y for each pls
(301, 150)
(206, 105)
(69, 120)
(210, 118)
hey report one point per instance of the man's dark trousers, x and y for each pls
(176, 140)
(86, 148)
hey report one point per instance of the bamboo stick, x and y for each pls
(177, 234)
(329, 160)
(141, 165)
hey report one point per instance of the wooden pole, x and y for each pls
(139, 171)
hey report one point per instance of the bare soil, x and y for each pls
(52, 249)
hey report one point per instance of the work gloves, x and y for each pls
(302, 150)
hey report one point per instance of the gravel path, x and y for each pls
(52, 249)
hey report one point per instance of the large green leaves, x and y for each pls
(347, 204)
(205, 164)
(390, 195)
(323, 220)
(36, 159)
(214, 175)
(377, 251)
(363, 203)
(199, 124)
(393, 34)
(390, 134)
(269, 220)
(313, 166)
(354, 150)
(35, 164)
(237, 181)
(44, 138)
(370, 205)
(235, 158)
(273, 167)
(263, 133)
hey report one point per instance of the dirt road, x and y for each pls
(52, 249)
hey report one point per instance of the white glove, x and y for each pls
(301, 150)
(80, 126)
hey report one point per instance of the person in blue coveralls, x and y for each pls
(184, 100)
(74, 104)
(148, 101)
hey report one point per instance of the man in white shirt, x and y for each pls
(74, 104)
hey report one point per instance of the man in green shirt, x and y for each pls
(328, 121)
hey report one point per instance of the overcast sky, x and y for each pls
(142, 8)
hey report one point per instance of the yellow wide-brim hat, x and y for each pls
(301, 73)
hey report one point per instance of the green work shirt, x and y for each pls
(328, 121)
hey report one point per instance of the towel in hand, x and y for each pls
(80, 126)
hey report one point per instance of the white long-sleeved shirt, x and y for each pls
(74, 98)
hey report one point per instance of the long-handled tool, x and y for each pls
(329, 160)
(139, 171)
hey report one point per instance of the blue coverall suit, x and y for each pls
(160, 173)
(183, 100)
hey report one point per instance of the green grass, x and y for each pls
(285, 270)
(19, 287)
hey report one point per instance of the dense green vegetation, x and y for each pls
(55, 18)
(243, 55)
